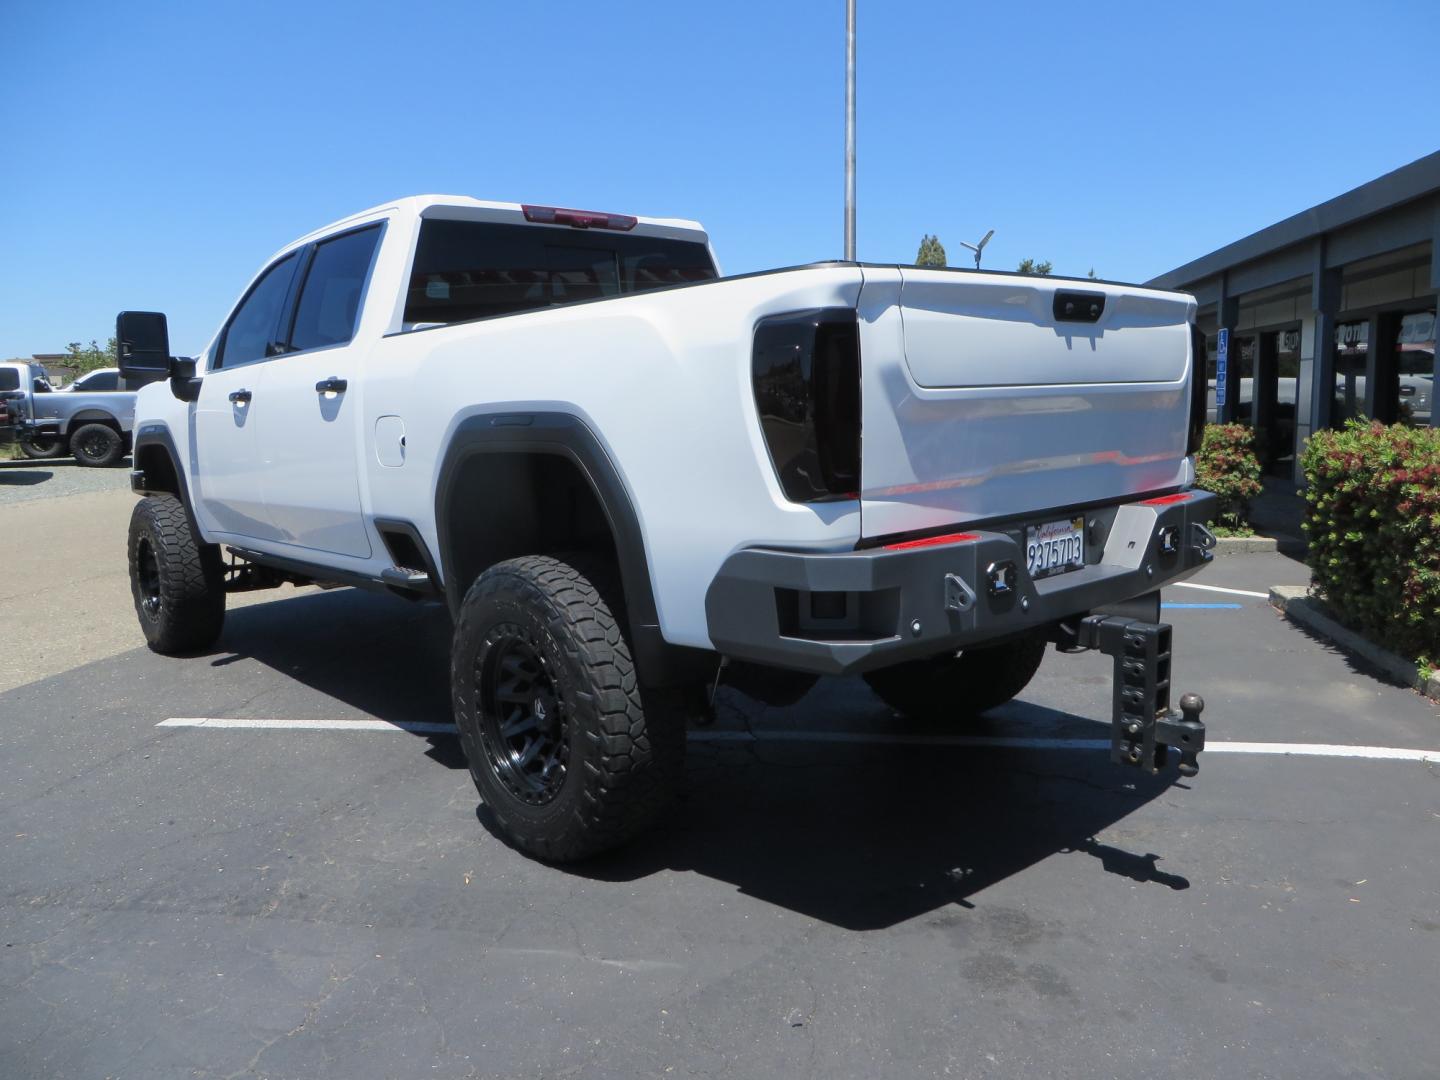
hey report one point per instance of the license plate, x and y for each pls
(1055, 547)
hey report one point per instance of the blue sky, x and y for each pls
(155, 154)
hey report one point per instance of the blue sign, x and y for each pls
(1222, 361)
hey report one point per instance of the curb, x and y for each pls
(1297, 605)
(1249, 545)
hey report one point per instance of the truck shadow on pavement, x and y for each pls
(864, 837)
(859, 835)
(23, 477)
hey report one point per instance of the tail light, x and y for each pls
(1199, 389)
(806, 372)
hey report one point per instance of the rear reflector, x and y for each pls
(579, 219)
(932, 541)
(1166, 500)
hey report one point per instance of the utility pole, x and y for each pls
(849, 130)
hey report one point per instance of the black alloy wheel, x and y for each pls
(524, 729)
(147, 571)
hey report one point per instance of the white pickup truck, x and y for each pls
(629, 478)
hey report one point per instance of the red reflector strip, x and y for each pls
(579, 219)
(931, 541)
(1166, 500)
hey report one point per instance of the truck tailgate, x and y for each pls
(983, 398)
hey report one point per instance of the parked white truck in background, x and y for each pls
(627, 477)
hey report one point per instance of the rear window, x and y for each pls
(476, 269)
(9, 378)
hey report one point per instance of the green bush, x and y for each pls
(1373, 521)
(1227, 465)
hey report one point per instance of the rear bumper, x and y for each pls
(837, 613)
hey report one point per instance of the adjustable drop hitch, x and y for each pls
(1142, 726)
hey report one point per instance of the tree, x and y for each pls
(1091, 274)
(86, 358)
(1030, 266)
(932, 252)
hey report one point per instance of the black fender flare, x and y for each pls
(567, 435)
(154, 434)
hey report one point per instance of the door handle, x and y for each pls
(240, 397)
(332, 385)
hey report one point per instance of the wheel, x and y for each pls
(563, 750)
(953, 687)
(97, 446)
(41, 447)
(178, 581)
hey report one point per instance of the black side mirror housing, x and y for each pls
(142, 342)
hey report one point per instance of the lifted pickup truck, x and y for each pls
(90, 423)
(629, 477)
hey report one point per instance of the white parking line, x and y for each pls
(861, 738)
(1217, 588)
(306, 725)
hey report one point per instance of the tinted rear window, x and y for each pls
(101, 382)
(475, 269)
(9, 378)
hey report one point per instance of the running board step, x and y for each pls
(402, 577)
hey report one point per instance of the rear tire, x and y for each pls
(41, 447)
(564, 749)
(97, 446)
(948, 688)
(177, 581)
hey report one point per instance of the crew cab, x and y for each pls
(629, 477)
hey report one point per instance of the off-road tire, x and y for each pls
(176, 580)
(96, 446)
(41, 448)
(951, 688)
(623, 752)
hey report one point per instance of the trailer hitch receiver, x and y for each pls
(1143, 727)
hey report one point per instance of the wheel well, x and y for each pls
(81, 419)
(507, 504)
(159, 469)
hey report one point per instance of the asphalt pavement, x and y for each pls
(838, 894)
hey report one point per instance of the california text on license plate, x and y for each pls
(1055, 547)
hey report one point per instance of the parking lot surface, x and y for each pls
(838, 894)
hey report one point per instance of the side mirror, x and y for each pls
(142, 340)
(183, 383)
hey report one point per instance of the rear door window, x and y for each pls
(9, 378)
(330, 298)
(100, 382)
(476, 269)
(256, 322)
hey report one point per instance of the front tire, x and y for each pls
(97, 446)
(561, 745)
(176, 580)
(41, 447)
(949, 687)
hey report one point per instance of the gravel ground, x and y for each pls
(25, 481)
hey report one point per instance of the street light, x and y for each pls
(849, 130)
(977, 248)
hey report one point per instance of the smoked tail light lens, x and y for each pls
(806, 372)
(1199, 390)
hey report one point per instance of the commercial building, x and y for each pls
(1329, 314)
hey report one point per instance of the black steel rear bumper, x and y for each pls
(836, 613)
